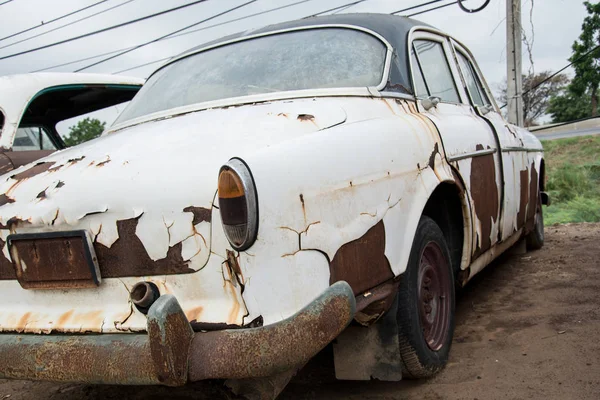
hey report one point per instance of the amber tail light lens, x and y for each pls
(238, 204)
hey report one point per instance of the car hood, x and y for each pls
(162, 175)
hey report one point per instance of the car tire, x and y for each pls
(535, 238)
(426, 304)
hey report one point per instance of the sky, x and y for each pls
(554, 26)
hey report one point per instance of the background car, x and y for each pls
(31, 105)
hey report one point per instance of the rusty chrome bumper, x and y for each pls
(172, 354)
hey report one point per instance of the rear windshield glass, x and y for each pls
(308, 59)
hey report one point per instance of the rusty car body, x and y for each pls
(31, 105)
(261, 196)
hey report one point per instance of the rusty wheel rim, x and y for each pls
(434, 296)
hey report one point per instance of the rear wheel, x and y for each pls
(535, 238)
(426, 304)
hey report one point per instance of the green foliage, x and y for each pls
(86, 129)
(580, 209)
(567, 106)
(587, 70)
(568, 181)
(573, 169)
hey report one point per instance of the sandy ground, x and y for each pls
(528, 327)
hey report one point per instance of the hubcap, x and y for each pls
(434, 292)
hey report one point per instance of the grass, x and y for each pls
(573, 171)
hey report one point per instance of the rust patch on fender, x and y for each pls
(362, 262)
(306, 117)
(103, 163)
(524, 199)
(485, 197)
(37, 169)
(128, 257)
(4, 199)
(201, 214)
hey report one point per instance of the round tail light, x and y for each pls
(238, 204)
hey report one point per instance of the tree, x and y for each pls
(568, 106)
(536, 99)
(86, 129)
(587, 68)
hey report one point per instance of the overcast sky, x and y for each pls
(556, 24)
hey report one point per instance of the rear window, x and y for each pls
(306, 59)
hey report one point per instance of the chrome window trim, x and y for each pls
(388, 55)
(424, 33)
(464, 49)
(472, 154)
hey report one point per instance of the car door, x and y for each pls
(514, 159)
(469, 143)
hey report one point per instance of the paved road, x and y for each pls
(566, 134)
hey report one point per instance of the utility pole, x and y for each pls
(514, 80)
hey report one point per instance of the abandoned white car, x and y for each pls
(327, 178)
(32, 105)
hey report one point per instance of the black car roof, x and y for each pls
(393, 28)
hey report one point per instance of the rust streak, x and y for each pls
(37, 169)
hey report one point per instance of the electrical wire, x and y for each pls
(52, 20)
(433, 9)
(175, 36)
(103, 29)
(343, 6)
(68, 24)
(6, 2)
(166, 36)
(417, 6)
(472, 11)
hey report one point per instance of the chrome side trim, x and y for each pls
(525, 149)
(472, 154)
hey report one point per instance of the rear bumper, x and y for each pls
(172, 354)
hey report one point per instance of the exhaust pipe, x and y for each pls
(143, 295)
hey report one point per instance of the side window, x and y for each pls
(420, 87)
(473, 84)
(436, 71)
(32, 138)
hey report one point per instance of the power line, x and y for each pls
(68, 24)
(166, 36)
(347, 5)
(142, 65)
(6, 2)
(583, 56)
(52, 20)
(433, 8)
(237, 19)
(175, 36)
(103, 29)
(417, 6)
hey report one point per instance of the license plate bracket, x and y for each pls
(54, 260)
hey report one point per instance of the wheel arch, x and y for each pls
(449, 207)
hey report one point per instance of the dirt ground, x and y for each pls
(528, 327)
